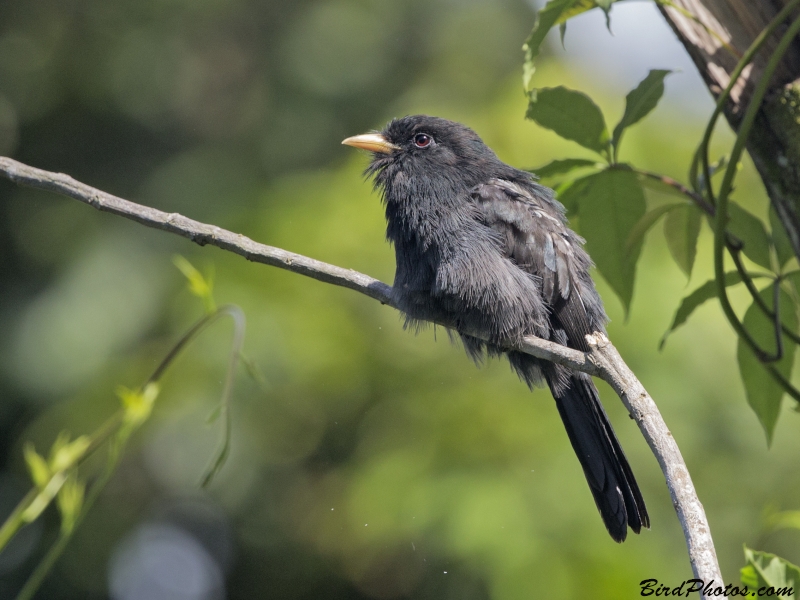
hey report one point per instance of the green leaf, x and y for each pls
(610, 205)
(698, 297)
(558, 167)
(68, 454)
(545, 19)
(43, 498)
(682, 228)
(570, 114)
(786, 519)
(581, 6)
(750, 230)
(765, 570)
(569, 192)
(202, 287)
(605, 5)
(37, 465)
(793, 277)
(70, 501)
(783, 247)
(138, 404)
(640, 101)
(62, 439)
(636, 236)
(764, 394)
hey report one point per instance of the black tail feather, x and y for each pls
(610, 478)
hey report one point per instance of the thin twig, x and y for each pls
(684, 497)
(734, 247)
(698, 199)
(751, 287)
(15, 520)
(198, 232)
(116, 426)
(602, 361)
(787, 386)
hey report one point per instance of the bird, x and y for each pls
(485, 248)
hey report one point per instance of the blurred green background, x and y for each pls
(373, 463)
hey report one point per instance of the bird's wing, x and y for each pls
(534, 234)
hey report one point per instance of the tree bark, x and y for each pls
(774, 142)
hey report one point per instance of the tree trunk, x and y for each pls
(774, 142)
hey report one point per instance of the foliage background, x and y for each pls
(373, 463)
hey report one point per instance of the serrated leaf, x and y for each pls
(581, 6)
(682, 228)
(610, 207)
(545, 19)
(698, 297)
(570, 114)
(765, 570)
(783, 247)
(750, 230)
(605, 5)
(636, 236)
(559, 167)
(763, 393)
(576, 8)
(555, 12)
(640, 101)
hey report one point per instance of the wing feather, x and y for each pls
(533, 230)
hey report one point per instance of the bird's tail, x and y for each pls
(610, 478)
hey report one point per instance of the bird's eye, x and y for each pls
(422, 140)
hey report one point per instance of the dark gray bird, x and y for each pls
(483, 246)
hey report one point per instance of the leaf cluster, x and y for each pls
(607, 198)
(607, 195)
(611, 207)
(58, 477)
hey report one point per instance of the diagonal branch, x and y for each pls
(602, 361)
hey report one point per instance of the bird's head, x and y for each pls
(428, 149)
